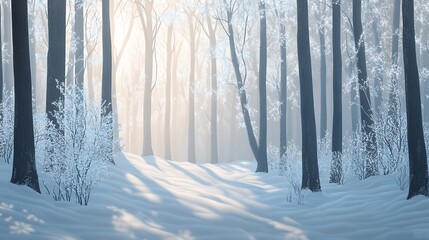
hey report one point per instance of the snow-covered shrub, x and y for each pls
(392, 137)
(276, 164)
(78, 148)
(6, 126)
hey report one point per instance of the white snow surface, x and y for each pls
(152, 198)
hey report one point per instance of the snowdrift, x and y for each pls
(152, 198)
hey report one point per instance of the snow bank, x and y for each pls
(152, 198)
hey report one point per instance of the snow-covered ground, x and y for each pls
(157, 199)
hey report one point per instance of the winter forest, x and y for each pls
(214, 119)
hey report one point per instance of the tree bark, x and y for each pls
(416, 144)
(323, 106)
(24, 170)
(337, 125)
(56, 56)
(310, 168)
(106, 87)
(367, 119)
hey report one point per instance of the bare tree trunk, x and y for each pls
(8, 70)
(167, 134)
(416, 144)
(56, 61)
(367, 119)
(283, 84)
(191, 123)
(24, 171)
(337, 125)
(106, 87)
(79, 54)
(323, 106)
(214, 155)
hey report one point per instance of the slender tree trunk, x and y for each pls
(337, 125)
(262, 163)
(323, 106)
(354, 98)
(214, 155)
(1, 62)
(393, 90)
(79, 54)
(56, 56)
(416, 144)
(310, 168)
(167, 134)
(191, 123)
(367, 119)
(33, 62)
(262, 89)
(106, 88)
(24, 171)
(7, 40)
(378, 78)
(147, 24)
(283, 84)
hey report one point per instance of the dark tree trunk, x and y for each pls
(24, 170)
(262, 163)
(106, 84)
(79, 54)
(7, 40)
(337, 125)
(393, 90)
(283, 85)
(56, 55)
(214, 155)
(310, 168)
(191, 123)
(167, 134)
(367, 119)
(323, 107)
(262, 90)
(416, 145)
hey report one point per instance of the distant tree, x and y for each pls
(367, 118)
(79, 53)
(24, 170)
(416, 145)
(262, 154)
(191, 112)
(310, 168)
(56, 55)
(150, 26)
(214, 89)
(7, 44)
(337, 125)
(280, 10)
(393, 90)
(106, 84)
(167, 133)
